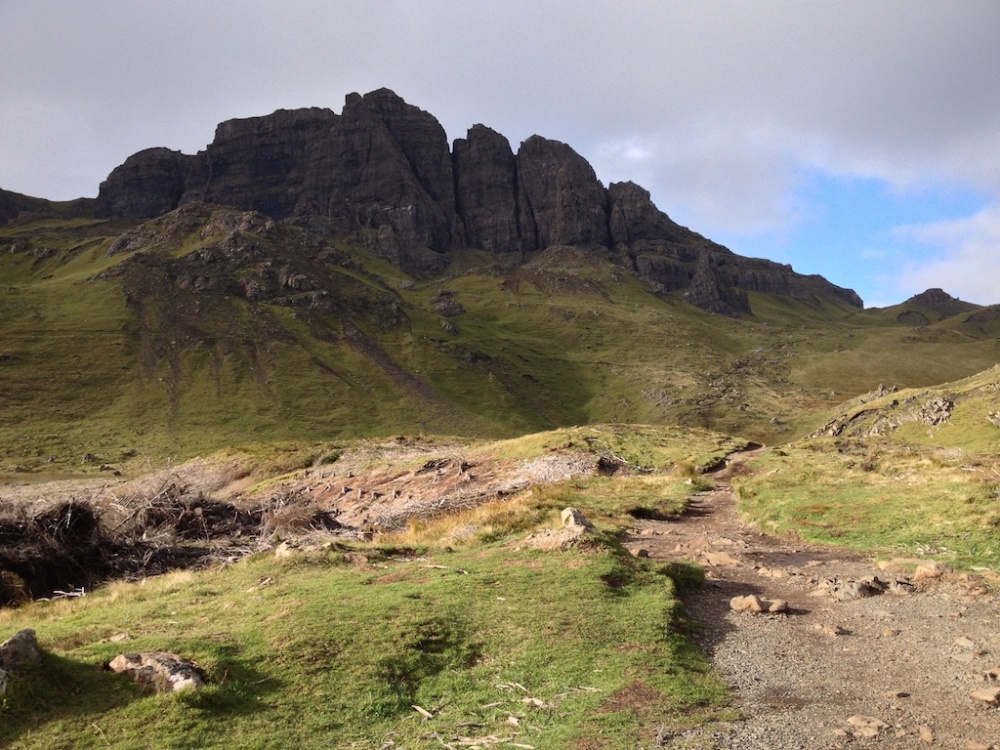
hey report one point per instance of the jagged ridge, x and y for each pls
(382, 172)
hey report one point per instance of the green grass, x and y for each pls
(879, 498)
(334, 649)
(139, 361)
(643, 447)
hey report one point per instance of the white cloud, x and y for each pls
(730, 179)
(966, 263)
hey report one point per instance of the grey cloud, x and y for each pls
(898, 90)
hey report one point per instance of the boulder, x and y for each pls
(162, 671)
(573, 518)
(575, 529)
(21, 648)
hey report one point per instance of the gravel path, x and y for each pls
(895, 669)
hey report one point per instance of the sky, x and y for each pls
(857, 139)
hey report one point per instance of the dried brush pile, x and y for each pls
(72, 545)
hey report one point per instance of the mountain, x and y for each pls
(15, 205)
(315, 276)
(932, 305)
(381, 173)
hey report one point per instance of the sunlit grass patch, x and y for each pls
(879, 497)
(329, 649)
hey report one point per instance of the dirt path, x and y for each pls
(908, 659)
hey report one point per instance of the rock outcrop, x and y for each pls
(712, 292)
(13, 205)
(148, 184)
(939, 302)
(569, 204)
(20, 649)
(160, 671)
(381, 173)
(489, 195)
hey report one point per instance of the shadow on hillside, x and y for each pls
(79, 695)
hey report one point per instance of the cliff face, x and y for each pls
(489, 196)
(381, 172)
(148, 184)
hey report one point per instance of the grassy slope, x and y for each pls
(559, 649)
(326, 650)
(919, 489)
(567, 339)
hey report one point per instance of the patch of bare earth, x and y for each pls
(384, 494)
(63, 538)
(864, 655)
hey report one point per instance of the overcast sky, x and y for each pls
(855, 139)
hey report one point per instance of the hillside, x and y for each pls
(314, 275)
(210, 326)
(478, 617)
(442, 436)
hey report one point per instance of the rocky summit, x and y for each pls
(381, 172)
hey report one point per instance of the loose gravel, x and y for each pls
(894, 670)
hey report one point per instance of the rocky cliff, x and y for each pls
(382, 173)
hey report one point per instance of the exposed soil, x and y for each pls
(909, 657)
(59, 537)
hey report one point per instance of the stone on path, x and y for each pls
(990, 675)
(754, 604)
(749, 603)
(719, 559)
(772, 572)
(831, 630)
(990, 695)
(867, 726)
(926, 734)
